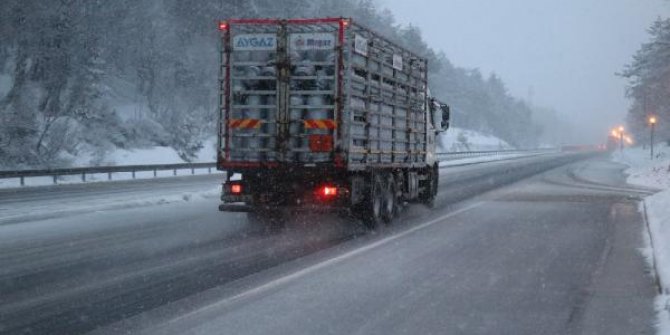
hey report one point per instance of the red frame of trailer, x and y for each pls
(225, 27)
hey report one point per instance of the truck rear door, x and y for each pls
(279, 89)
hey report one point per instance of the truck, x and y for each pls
(324, 114)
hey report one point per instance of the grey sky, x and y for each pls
(566, 50)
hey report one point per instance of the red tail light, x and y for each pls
(328, 191)
(223, 25)
(236, 189)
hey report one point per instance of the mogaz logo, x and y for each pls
(318, 41)
(255, 42)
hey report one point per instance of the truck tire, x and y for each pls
(390, 196)
(429, 194)
(372, 209)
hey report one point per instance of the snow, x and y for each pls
(155, 155)
(459, 139)
(124, 98)
(643, 171)
(130, 111)
(655, 173)
(167, 155)
(208, 151)
(658, 213)
(5, 84)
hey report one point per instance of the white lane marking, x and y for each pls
(600, 187)
(287, 278)
(620, 189)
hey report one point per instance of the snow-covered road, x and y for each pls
(554, 253)
(45, 200)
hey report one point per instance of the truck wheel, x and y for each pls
(428, 197)
(390, 196)
(374, 202)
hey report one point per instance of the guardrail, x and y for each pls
(133, 169)
(447, 156)
(83, 171)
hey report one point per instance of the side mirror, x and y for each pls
(446, 114)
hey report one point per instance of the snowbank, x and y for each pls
(655, 173)
(155, 155)
(208, 151)
(454, 140)
(458, 139)
(658, 213)
(644, 171)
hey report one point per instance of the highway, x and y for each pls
(540, 245)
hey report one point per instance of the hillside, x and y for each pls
(71, 86)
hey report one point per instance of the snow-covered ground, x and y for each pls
(459, 139)
(454, 140)
(163, 155)
(156, 155)
(655, 173)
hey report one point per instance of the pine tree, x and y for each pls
(649, 81)
(71, 60)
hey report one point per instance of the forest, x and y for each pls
(91, 76)
(649, 83)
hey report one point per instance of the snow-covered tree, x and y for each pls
(69, 61)
(649, 81)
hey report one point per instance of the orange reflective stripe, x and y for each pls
(330, 124)
(310, 124)
(320, 124)
(254, 123)
(244, 123)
